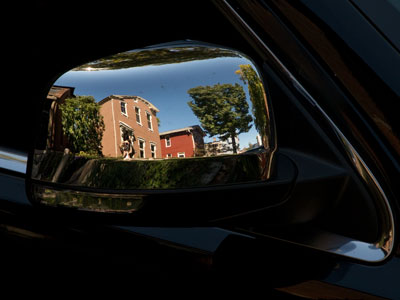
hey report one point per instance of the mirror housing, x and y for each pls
(257, 189)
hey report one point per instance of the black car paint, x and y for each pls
(313, 68)
(43, 62)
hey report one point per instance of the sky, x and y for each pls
(165, 86)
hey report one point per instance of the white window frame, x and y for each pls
(149, 120)
(169, 155)
(125, 108)
(138, 114)
(180, 154)
(122, 124)
(144, 147)
(155, 150)
(168, 139)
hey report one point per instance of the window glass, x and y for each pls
(141, 148)
(153, 150)
(149, 121)
(137, 112)
(123, 108)
(385, 15)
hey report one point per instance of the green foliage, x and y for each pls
(257, 97)
(153, 57)
(222, 110)
(83, 125)
(112, 173)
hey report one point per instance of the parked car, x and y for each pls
(320, 221)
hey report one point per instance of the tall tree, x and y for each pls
(83, 124)
(257, 97)
(222, 110)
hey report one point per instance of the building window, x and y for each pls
(126, 132)
(153, 150)
(137, 112)
(148, 116)
(127, 140)
(141, 148)
(181, 154)
(169, 155)
(167, 142)
(123, 108)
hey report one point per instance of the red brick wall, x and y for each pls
(182, 142)
(108, 141)
(112, 137)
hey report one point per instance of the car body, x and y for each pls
(335, 71)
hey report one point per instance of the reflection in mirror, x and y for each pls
(178, 116)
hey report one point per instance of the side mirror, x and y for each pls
(167, 119)
(182, 134)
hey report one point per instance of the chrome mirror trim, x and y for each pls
(13, 161)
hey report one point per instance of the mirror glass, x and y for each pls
(174, 116)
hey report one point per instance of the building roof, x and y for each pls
(124, 97)
(185, 129)
(57, 92)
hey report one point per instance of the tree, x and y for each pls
(155, 57)
(257, 98)
(222, 110)
(83, 124)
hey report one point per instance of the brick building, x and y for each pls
(184, 142)
(130, 118)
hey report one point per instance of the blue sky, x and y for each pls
(165, 86)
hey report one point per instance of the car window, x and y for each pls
(385, 15)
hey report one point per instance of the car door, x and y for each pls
(346, 44)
